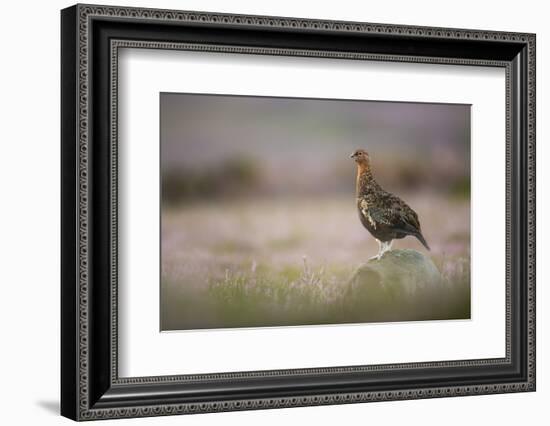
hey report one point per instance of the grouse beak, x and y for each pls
(352, 155)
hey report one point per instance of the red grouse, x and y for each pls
(385, 216)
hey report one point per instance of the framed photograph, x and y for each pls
(263, 212)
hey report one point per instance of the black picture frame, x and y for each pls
(90, 386)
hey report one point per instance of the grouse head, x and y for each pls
(361, 157)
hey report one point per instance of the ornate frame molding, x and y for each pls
(80, 19)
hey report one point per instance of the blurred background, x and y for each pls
(259, 223)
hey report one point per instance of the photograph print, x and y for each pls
(281, 211)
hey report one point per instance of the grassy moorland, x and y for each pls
(288, 261)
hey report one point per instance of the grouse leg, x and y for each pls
(386, 246)
(383, 247)
(379, 254)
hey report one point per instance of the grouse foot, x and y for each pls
(383, 247)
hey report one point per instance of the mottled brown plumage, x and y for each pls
(385, 215)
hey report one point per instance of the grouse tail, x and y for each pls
(422, 240)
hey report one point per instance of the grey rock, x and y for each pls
(390, 287)
(403, 271)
